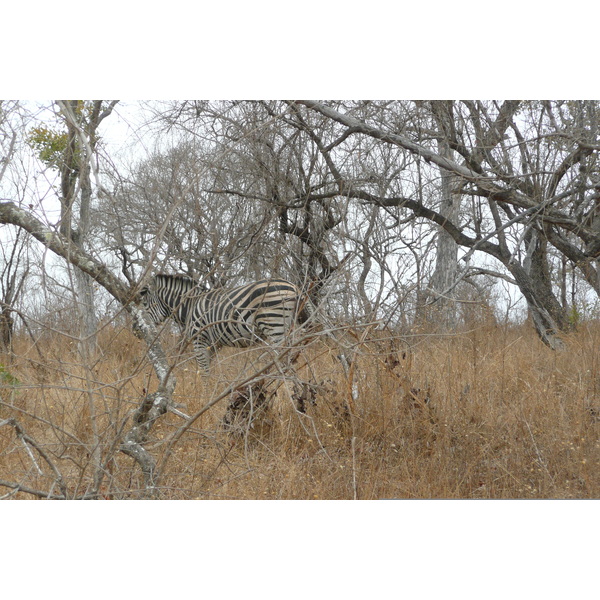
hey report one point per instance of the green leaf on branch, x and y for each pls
(49, 145)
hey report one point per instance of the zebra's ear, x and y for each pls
(145, 291)
(149, 287)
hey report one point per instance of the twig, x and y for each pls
(27, 490)
(29, 441)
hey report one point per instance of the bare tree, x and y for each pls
(77, 167)
(12, 274)
(73, 153)
(154, 405)
(531, 189)
(14, 269)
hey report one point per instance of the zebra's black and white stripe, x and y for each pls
(262, 311)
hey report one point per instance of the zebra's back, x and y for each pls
(260, 311)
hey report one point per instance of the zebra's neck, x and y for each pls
(176, 293)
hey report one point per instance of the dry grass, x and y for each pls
(487, 413)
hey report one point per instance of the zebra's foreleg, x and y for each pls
(203, 354)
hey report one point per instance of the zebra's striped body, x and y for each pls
(243, 316)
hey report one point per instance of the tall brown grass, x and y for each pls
(484, 413)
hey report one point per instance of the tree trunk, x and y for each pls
(6, 328)
(549, 317)
(84, 283)
(443, 311)
(76, 168)
(533, 279)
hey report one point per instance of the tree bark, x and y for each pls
(443, 311)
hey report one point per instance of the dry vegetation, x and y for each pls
(485, 413)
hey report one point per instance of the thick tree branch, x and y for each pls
(154, 405)
(15, 215)
(484, 184)
(429, 155)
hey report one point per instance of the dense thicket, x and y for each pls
(396, 217)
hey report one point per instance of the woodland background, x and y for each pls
(451, 246)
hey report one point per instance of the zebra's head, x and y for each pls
(168, 296)
(153, 302)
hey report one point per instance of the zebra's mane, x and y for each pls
(183, 282)
(166, 277)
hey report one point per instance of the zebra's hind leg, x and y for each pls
(246, 405)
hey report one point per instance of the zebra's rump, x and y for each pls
(260, 311)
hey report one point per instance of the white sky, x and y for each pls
(268, 49)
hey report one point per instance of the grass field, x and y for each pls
(484, 413)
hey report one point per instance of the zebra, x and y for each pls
(261, 311)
